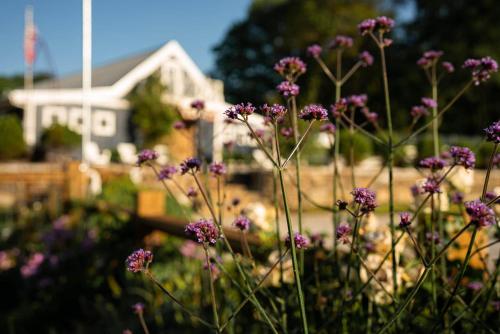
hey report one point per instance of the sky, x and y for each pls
(120, 28)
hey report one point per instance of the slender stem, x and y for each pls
(488, 171)
(417, 246)
(277, 218)
(175, 300)
(261, 145)
(212, 291)
(363, 131)
(143, 323)
(325, 69)
(390, 163)
(479, 249)
(254, 290)
(435, 119)
(351, 72)
(296, 148)
(295, 264)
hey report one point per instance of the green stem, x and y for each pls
(212, 292)
(295, 264)
(143, 323)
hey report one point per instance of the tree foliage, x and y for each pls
(151, 115)
(13, 145)
(59, 136)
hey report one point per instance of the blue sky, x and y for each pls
(120, 28)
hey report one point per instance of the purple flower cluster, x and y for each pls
(313, 112)
(217, 168)
(457, 197)
(138, 308)
(365, 198)
(167, 172)
(299, 240)
(191, 192)
(198, 104)
(371, 117)
(139, 260)
(357, 101)
(290, 67)
(178, 125)
(274, 112)
(429, 58)
(328, 128)
(433, 237)
(431, 185)
(381, 23)
(428, 102)
(463, 156)
(341, 42)
(475, 286)
(287, 88)
(419, 111)
(404, 219)
(203, 231)
(241, 109)
(365, 58)
(145, 156)
(448, 67)
(287, 132)
(481, 68)
(493, 132)
(343, 232)
(241, 222)
(190, 164)
(339, 107)
(434, 163)
(314, 50)
(32, 265)
(480, 213)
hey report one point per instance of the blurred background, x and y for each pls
(66, 227)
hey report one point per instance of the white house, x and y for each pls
(60, 100)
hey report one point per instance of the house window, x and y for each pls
(75, 120)
(52, 115)
(104, 123)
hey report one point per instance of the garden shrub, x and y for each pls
(60, 137)
(13, 145)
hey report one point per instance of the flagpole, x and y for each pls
(29, 26)
(29, 117)
(86, 77)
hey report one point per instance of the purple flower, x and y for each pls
(313, 112)
(178, 125)
(191, 192)
(341, 42)
(429, 103)
(405, 219)
(490, 196)
(287, 132)
(481, 68)
(429, 58)
(480, 213)
(203, 231)
(475, 286)
(198, 105)
(457, 197)
(365, 58)
(365, 198)
(371, 117)
(384, 23)
(32, 265)
(328, 128)
(217, 168)
(139, 260)
(287, 88)
(433, 237)
(290, 67)
(367, 26)
(493, 132)
(387, 42)
(167, 172)
(299, 240)
(241, 109)
(434, 163)
(343, 232)
(274, 112)
(339, 107)
(191, 249)
(357, 101)
(342, 205)
(241, 222)
(463, 156)
(314, 50)
(415, 190)
(448, 67)
(138, 308)
(146, 156)
(419, 111)
(431, 185)
(190, 165)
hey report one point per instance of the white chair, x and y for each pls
(94, 156)
(127, 153)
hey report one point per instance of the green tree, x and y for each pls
(59, 136)
(151, 115)
(13, 145)
(275, 29)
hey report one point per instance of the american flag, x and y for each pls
(29, 42)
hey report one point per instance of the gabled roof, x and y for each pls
(102, 76)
